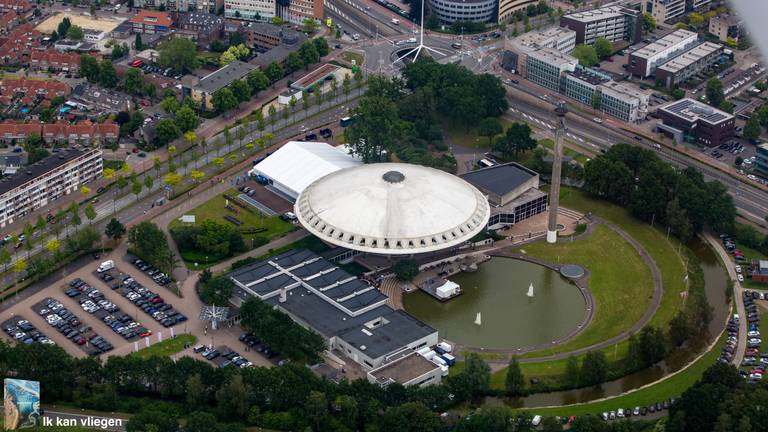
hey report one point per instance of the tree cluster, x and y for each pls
(655, 191)
(179, 54)
(215, 290)
(242, 90)
(149, 243)
(209, 240)
(405, 269)
(102, 72)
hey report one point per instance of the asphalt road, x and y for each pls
(749, 200)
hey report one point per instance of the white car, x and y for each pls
(756, 376)
(754, 334)
(738, 269)
(597, 120)
(755, 341)
(740, 278)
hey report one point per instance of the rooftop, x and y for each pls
(148, 17)
(553, 56)
(499, 179)
(549, 37)
(314, 76)
(225, 76)
(669, 41)
(693, 110)
(404, 369)
(623, 91)
(41, 167)
(597, 14)
(589, 76)
(198, 19)
(392, 208)
(691, 56)
(728, 19)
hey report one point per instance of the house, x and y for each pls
(18, 6)
(16, 46)
(151, 22)
(54, 60)
(8, 21)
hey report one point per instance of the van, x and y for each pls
(536, 420)
(445, 346)
(411, 40)
(395, 21)
(449, 359)
(106, 265)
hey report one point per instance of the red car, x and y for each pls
(156, 300)
(146, 333)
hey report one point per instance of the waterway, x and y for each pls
(716, 282)
(509, 318)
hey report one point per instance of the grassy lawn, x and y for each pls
(166, 348)
(670, 387)
(621, 297)
(579, 157)
(349, 56)
(309, 242)
(470, 138)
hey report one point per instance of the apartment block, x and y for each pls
(688, 64)
(252, 10)
(296, 11)
(644, 61)
(664, 10)
(620, 101)
(726, 27)
(47, 180)
(614, 23)
(692, 120)
(547, 66)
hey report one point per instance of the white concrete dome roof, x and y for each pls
(392, 209)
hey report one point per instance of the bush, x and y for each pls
(211, 241)
(406, 269)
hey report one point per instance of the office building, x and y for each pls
(547, 66)
(351, 315)
(688, 64)
(508, 7)
(252, 10)
(726, 27)
(151, 22)
(691, 120)
(644, 61)
(761, 162)
(626, 103)
(512, 190)
(449, 11)
(203, 27)
(560, 38)
(664, 10)
(412, 369)
(614, 23)
(202, 93)
(296, 11)
(45, 181)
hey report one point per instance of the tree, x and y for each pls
(90, 213)
(309, 54)
(152, 420)
(473, 381)
(274, 72)
(257, 81)
(74, 209)
(489, 127)
(170, 104)
(316, 407)
(107, 74)
(180, 54)
(515, 383)
(148, 182)
(714, 92)
(166, 131)
(150, 243)
(586, 54)
(679, 330)
(138, 44)
(19, 267)
(405, 269)
(309, 25)
(241, 90)
(695, 19)
(293, 62)
(409, 417)
(64, 26)
(517, 138)
(224, 100)
(197, 175)
(375, 130)
(186, 119)
(572, 373)
(594, 368)
(603, 48)
(200, 421)
(217, 291)
(677, 220)
(53, 246)
(649, 22)
(133, 80)
(752, 129)
(114, 229)
(136, 188)
(232, 397)
(321, 45)
(89, 67)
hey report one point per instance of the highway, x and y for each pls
(750, 201)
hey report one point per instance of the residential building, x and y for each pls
(352, 316)
(688, 64)
(8, 21)
(449, 11)
(84, 133)
(512, 191)
(664, 10)
(43, 182)
(644, 61)
(508, 7)
(16, 47)
(698, 5)
(19, 6)
(202, 93)
(547, 66)
(122, 31)
(30, 91)
(253, 10)
(151, 22)
(761, 162)
(726, 26)
(614, 23)
(12, 133)
(691, 120)
(11, 163)
(54, 60)
(296, 11)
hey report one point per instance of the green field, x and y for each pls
(579, 157)
(167, 347)
(469, 138)
(670, 387)
(349, 56)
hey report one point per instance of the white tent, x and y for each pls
(297, 164)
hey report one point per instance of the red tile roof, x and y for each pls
(8, 17)
(19, 42)
(48, 88)
(54, 58)
(148, 17)
(18, 5)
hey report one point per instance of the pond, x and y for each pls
(509, 318)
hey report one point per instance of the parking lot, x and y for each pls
(69, 327)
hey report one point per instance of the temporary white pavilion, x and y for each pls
(298, 164)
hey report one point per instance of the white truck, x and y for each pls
(395, 21)
(106, 265)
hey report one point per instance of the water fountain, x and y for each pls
(530, 290)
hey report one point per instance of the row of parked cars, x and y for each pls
(151, 303)
(70, 326)
(231, 358)
(726, 356)
(22, 331)
(156, 275)
(638, 410)
(91, 299)
(738, 256)
(253, 342)
(752, 356)
(124, 325)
